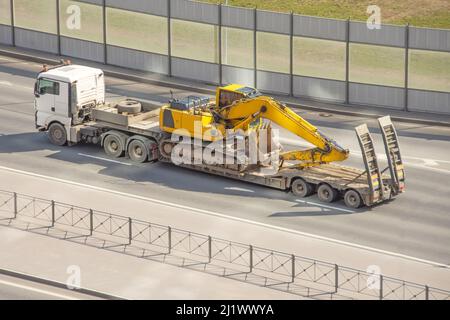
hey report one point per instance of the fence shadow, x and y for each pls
(171, 259)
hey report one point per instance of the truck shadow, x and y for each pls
(124, 173)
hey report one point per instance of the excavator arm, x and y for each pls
(241, 113)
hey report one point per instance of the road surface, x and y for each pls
(15, 288)
(415, 224)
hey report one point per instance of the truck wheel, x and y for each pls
(129, 106)
(137, 151)
(301, 188)
(113, 146)
(57, 134)
(352, 199)
(327, 193)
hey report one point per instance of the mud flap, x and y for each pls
(374, 178)
(394, 158)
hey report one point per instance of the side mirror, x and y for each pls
(36, 91)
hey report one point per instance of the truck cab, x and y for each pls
(64, 97)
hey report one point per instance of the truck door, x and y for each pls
(52, 97)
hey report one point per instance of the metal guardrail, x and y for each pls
(282, 267)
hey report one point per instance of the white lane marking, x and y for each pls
(324, 206)
(430, 162)
(104, 159)
(238, 189)
(29, 288)
(221, 215)
(425, 159)
(16, 86)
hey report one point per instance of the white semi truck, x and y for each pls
(70, 106)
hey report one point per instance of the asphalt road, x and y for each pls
(14, 288)
(417, 223)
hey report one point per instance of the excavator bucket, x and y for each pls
(374, 178)
(394, 158)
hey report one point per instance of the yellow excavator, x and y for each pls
(240, 107)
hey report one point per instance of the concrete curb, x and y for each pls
(180, 86)
(57, 284)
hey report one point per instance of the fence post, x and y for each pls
(336, 278)
(293, 268)
(427, 293)
(13, 24)
(169, 39)
(219, 44)
(15, 205)
(255, 49)
(105, 40)
(381, 287)
(251, 258)
(347, 63)
(291, 60)
(130, 231)
(169, 240)
(53, 213)
(406, 66)
(58, 25)
(91, 222)
(209, 249)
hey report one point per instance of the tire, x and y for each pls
(165, 149)
(137, 151)
(129, 106)
(301, 188)
(57, 134)
(113, 146)
(353, 199)
(327, 193)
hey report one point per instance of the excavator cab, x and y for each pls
(225, 96)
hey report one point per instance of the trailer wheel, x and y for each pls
(352, 199)
(326, 193)
(137, 151)
(113, 146)
(301, 188)
(57, 134)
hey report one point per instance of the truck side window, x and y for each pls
(48, 87)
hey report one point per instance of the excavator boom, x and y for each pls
(242, 112)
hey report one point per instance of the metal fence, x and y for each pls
(278, 266)
(399, 67)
